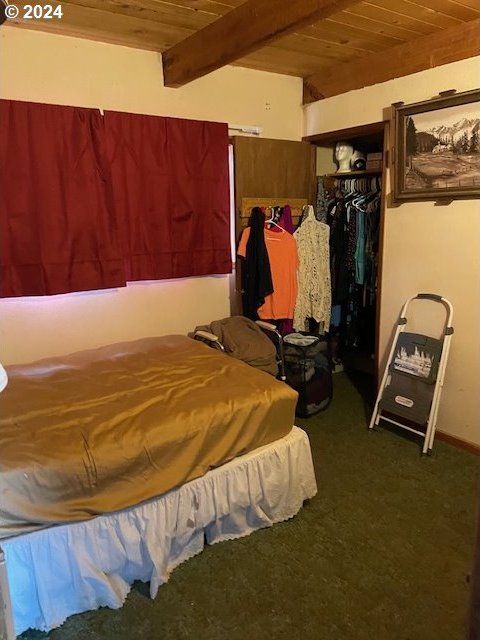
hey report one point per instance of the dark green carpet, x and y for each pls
(382, 553)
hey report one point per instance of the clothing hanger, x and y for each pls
(309, 212)
(272, 221)
(306, 212)
(359, 199)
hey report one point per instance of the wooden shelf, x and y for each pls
(372, 172)
(366, 132)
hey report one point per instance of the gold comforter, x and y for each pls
(105, 429)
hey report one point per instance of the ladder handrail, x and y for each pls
(434, 298)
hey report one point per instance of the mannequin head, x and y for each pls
(343, 154)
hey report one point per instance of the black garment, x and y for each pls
(340, 275)
(257, 277)
(346, 200)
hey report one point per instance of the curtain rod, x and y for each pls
(256, 131)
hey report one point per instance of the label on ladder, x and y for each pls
(418, 356)
(405, 402)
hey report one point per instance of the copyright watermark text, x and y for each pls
(33, 11)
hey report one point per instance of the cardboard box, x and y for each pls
(374, 161)
(374, 165)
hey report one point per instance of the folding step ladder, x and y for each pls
(413, 379)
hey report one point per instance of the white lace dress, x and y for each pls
(314, 298)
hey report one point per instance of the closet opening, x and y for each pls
(273, 173)
(351, 196)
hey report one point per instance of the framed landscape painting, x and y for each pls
(437, 148)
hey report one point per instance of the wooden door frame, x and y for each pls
(381, 250)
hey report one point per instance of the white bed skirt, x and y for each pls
(68, 569)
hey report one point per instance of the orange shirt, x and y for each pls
(282, 254)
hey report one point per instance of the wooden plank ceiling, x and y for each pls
(350, 32)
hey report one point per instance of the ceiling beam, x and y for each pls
(243, 30)
(444, 46)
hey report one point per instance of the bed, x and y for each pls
(119, 463)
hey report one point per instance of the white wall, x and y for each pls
(427, 248)
(40, 67)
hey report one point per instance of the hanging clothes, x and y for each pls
(314, 298)
(282, 216)
(285, 219)
(321, 210)
(338, 223)
(257, 281)
(354, 219)
(285, 326)
(283, 259)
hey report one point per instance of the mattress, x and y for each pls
(102, 430)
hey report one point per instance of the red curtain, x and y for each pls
(171, 187)
(88, 202)
(57, 229)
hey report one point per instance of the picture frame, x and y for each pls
(436, 151)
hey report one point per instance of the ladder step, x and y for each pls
(403, 426)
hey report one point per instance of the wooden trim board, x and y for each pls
(458, 442)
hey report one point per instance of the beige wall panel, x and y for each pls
(54, 69)
(427, 248)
